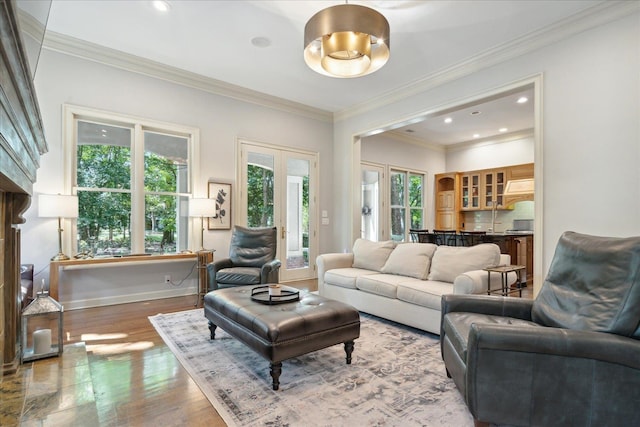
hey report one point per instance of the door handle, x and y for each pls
(283, 232)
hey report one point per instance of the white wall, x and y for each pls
(66, 79)
(490, 154)
(590, 132)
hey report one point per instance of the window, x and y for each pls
(133, 183)
(407, 202)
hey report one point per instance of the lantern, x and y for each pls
(42, 328)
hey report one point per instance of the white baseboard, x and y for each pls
(123, 299)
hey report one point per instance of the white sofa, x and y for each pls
(405, 282)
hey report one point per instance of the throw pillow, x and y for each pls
(450, 261)
(371, 255)
(410, 259)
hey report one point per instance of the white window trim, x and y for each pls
(71, 113)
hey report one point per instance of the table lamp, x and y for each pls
(58, 206)
(201, 207)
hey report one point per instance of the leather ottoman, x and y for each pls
(282, 331)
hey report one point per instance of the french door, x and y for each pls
(372, 201)
(278, 189)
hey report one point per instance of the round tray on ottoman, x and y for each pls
(262, 295)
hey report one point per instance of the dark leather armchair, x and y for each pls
(571, 357)
(252, 259)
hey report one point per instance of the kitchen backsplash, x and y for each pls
(481, 220)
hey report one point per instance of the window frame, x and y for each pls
(138, 126)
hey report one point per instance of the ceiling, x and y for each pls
(214, 39)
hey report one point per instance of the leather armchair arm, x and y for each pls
(269, 273)
(520, 308)
(213, 268)
(559, 342)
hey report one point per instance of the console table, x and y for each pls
(56, 266)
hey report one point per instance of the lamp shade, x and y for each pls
(202, 207)
(57, 206)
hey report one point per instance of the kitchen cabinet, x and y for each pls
(492, 191)
(470, 191)
(447, 212)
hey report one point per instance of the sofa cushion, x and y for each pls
(450, 261)
(410, 259)
(345, 277)
(593, 284)
(380, 284)
(426, 293)
(371, 255)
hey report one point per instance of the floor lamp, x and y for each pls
(203, 208)
(58, 206)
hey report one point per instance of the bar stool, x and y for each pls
(419, 236)
(445, 237)
(471, 238)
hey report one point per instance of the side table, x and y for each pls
(504, 271)
(205, 257)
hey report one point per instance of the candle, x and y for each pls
(274, 290)
(42, 341)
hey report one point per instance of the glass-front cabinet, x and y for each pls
(470, 191)
(493, 189)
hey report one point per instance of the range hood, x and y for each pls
(519, 189)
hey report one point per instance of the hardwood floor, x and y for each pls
(126, 377)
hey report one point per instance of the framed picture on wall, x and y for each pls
(221, 193)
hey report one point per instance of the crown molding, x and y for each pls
(72, 46)
(599, 14)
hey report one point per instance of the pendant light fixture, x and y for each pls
(346, 41)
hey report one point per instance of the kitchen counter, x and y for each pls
(510, 233)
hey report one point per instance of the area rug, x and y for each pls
(397, 378)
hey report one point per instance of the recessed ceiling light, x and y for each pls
(161, 5)
(475, 113)
(476, 135)
(448, 120)
(261, 42)
(503, 129)
(522, 100)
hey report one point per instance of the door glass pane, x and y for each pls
(260, 190)
(370, 201)
(297, 214)
(398, 211)
(416, 200)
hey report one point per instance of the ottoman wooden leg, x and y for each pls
(348, 348)
(212, 328)
(276, 370)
